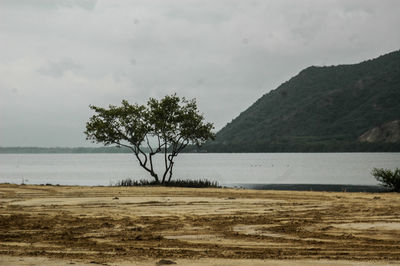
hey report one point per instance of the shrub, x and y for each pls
(199, 183)
(388, 178)
(134, 183)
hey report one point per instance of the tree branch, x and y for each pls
(136, 150)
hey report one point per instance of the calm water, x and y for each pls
(265, 168)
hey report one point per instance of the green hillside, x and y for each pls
(320, 109)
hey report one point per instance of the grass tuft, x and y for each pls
(198, 183)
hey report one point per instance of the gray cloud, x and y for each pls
(59, 68)
(86, 4)
(64, 55)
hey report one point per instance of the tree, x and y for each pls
(388, 178)
(164, 126)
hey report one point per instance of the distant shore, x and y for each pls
(62, 150)
(78, 150)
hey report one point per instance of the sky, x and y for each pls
(59, 56)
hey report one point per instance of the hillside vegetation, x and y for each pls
(321, 109)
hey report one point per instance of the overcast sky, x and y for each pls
(59, 56)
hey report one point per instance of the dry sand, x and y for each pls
(56, 225)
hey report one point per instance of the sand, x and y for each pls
(57, 225)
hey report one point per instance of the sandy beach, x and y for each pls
(59, 225)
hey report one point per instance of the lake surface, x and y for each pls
(226, 168)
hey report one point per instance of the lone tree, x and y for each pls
(164, 126)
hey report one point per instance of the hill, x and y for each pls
(329, 108)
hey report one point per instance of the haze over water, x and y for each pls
(227, 169)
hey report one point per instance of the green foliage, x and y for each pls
(172, 123)
(200, 183)
(388, 178)
(325, 107)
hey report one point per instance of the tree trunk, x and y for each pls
(170, 171)
(155, 177)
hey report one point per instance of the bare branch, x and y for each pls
(148, 144)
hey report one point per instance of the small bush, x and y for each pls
(134, 183)
(388, 178)
(199, 183)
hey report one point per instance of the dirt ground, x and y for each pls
(56, 225)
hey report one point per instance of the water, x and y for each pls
(228, 168)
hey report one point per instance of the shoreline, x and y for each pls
(318, 187)
(259, 186)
